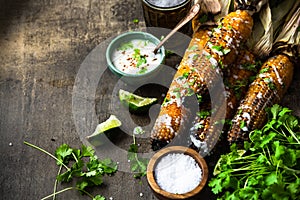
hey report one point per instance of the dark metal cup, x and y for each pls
(166, 17)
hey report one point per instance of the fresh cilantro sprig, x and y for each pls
(80, 164)
(268, 167)
(138, 165)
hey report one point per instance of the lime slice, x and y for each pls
(136, 104)
(106, 127)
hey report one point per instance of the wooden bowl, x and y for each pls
(165, 195)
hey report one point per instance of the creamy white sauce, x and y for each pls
(136, 57)
(277, 76)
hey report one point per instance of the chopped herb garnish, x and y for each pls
(208, 56)
(264, 70)
(141, 59)
(250, 67)
(272, 86)
(198, 126)
(221, 65)
(126, 46)
(190, 92)
(203, 114)
(185, 74)
(196, 56)
(192, 48)
(219, 49)
(176, 89)
(242, 125)
(143, 70)
(136, 21)
(199, 98)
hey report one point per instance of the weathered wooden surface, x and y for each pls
(43, 44)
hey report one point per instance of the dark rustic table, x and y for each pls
(44, 46)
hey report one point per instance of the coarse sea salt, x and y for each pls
(166, 3)
(178, 173)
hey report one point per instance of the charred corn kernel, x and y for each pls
(200, 68)
(267, 89)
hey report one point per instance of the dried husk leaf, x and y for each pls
(263, 46)
(269, 23)
(206, 7)
(288, 40)
(225, 8)
(290, 31)
(281, 11)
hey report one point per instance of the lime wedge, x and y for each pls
(98, 137)
(136, 104)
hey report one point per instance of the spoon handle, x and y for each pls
(192, 13)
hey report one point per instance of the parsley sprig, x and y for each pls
(80, 164)
(138, 165)
(268, 167)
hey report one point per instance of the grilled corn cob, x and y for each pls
(172, 110)
(267, 89)
(237, 78)
(200, 69)
(270, 84)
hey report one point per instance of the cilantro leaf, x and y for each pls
(99, 197)
(62, 153)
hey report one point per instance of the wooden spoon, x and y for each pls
(192, 13)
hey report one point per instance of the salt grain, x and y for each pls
(178, 173)
(166, 3)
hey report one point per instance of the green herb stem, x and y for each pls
(46, 152)
(75, 158)
(66, 189)
(291, 170)
(292, 134)
(56, 181)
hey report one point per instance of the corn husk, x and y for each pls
(288, 40)
(267, 25)
(290, 31)
(207, 7)
(225, 8)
